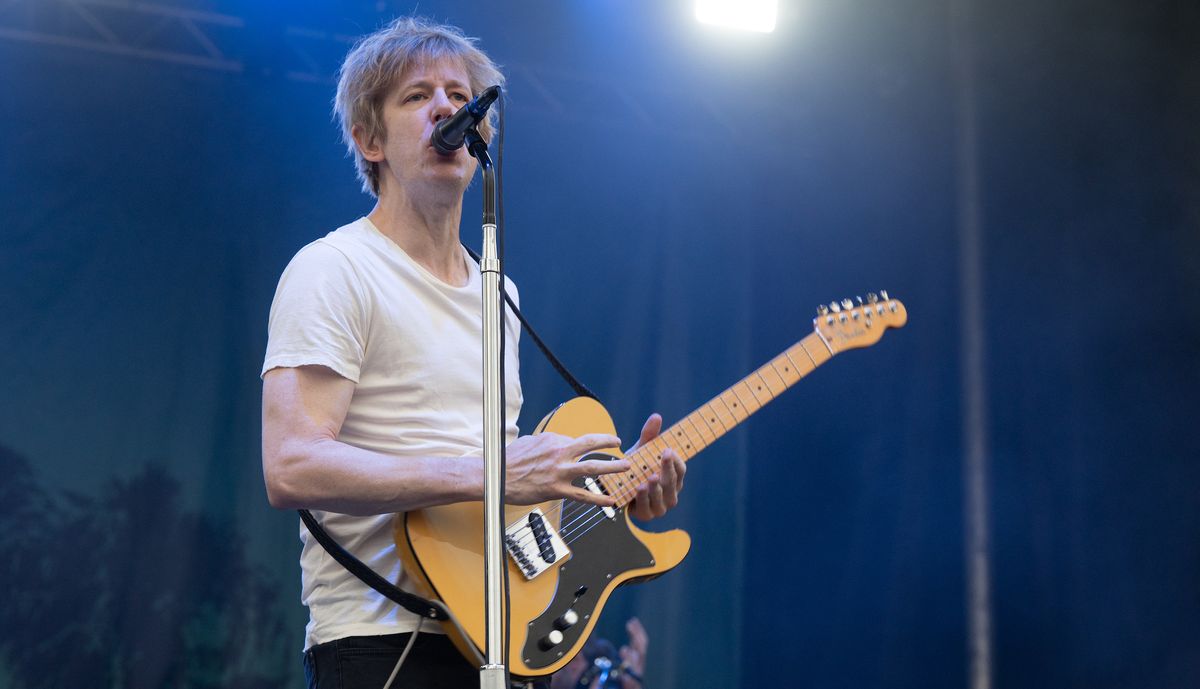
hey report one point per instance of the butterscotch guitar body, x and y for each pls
(442, 548)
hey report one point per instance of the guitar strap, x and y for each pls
(579, 388)
(413, 603)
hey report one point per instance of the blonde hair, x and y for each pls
(377, 61)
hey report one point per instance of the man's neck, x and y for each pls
(427, 232)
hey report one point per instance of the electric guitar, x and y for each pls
(565, 557)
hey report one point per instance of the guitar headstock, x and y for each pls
(858, 323)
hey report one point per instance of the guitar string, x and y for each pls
(565, 529)
(571, 529)
(628, 494)
(594, 515)
(598, 517)
(622, 494)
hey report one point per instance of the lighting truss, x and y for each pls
(223, 42)
(135, 29)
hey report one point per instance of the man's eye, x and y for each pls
(414, 97)
(461, 97)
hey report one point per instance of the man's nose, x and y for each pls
(442, 107)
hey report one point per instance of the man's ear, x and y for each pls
(371, 150)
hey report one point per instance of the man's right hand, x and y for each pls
(541, 467)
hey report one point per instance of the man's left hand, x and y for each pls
(661, 490)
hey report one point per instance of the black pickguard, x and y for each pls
(600, 553)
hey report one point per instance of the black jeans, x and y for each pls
(365, 662)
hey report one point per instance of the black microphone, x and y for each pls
(448, 135)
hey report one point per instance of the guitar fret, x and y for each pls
(749, 401)
(761, 391)
(722, 413)
(706, 438)
(633, 478)
(713, 416)
(786, 369)
(658, 445)
(693, 434)
(643, 462)
(807, 353)
(696, 418)
(823, 354)
(617, 485)
(730, 400)
(630, 480)
(773, 380)
(800, 371)
(671, 442)
(680, 434)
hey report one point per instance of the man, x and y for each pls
(372, 391)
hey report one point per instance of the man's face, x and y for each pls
(424, 95)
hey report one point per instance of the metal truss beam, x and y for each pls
(221, 42)
(134, 29)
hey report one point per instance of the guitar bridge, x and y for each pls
(534, 544)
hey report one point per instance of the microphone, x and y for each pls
(448, 135)
(600, 652)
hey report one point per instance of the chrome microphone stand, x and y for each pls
(493, 674)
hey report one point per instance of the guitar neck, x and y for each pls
(719, 415)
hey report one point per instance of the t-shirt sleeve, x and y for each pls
(318, 315)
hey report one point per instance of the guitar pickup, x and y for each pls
(534, 544)
(598, 488)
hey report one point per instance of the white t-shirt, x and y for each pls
(355, 302)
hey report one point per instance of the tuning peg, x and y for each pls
(872, 297)
(847, 304)
(883, 293)
(833, 306)
(859, 300)
(822, 310)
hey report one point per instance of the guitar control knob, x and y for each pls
(551, 640)
(566, 620)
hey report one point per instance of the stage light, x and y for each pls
(748, 15)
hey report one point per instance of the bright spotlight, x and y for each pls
(748, 15)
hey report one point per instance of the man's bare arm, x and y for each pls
(305, 466)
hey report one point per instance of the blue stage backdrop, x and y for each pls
(678, 200)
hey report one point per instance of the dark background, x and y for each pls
(679, 199)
